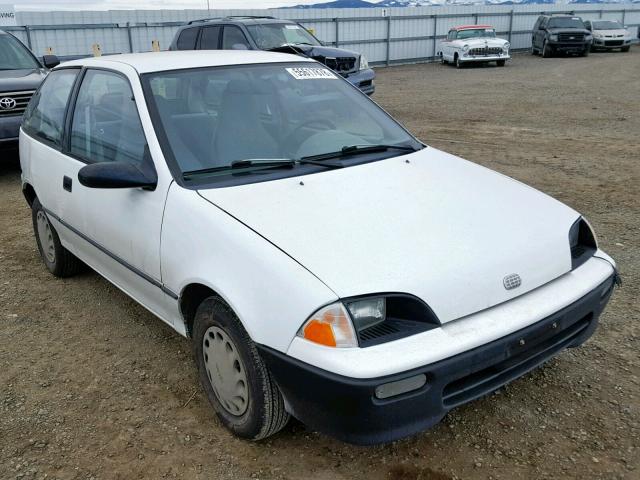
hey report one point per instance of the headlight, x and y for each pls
(367, 321)
(364, 64)
(465, 48)
(553, 38)
(582, 242)
(589, 37)
(597, 35)
(505, 47)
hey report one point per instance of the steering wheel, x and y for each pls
(323, 122)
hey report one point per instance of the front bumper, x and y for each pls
(570, 47)
(610, 43)
(484, 58)
(364, 80)
(347, 407)
(9, 129)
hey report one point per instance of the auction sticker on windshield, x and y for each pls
(308, 73)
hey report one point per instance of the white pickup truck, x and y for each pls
(473, 44)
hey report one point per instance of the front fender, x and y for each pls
(271, 293)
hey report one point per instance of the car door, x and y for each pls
(50, 171)
(210, 37)
(540, 33)
(120, 231)
(234, 39)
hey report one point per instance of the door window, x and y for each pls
(106, 126)
(187, 39)
(44, 116)
(234, 39)
(210, 38)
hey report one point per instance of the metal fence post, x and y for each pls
(600, 16)
(337, 31)
(27, 32)
(389, 39)
(624, 12)
(475, 19)
(435, 34)
(129, 37)
(510, 24)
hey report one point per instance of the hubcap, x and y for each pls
(225, 371)
(46, 237)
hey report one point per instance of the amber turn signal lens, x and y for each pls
(330, 326)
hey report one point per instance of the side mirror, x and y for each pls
(117, 175)
(50, 61)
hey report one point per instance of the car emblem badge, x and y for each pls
(512, 281)
(7, 103)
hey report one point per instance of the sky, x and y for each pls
(152, 4)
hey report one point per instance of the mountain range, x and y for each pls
(426, 3)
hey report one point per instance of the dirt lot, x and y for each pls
(93, 386)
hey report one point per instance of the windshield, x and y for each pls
(214, 117)
(274, 35)
(607, 25)
(565, 22)
(476, 33)
(14, 55)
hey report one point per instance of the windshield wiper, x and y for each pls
(257, 164)
(358, 149)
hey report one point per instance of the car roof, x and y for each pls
(248, 19)
(177, 60)
(471, 27)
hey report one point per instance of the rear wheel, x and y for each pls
(234, 377)
(546, 50)
(58, 260)
(500, 63)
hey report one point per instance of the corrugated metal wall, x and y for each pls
(409, 34)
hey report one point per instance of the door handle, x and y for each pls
(66, 183)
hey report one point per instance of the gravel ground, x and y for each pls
(93, 386)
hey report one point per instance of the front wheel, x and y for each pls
(58, 260)
(625, 49)
(500, 63)
(585, 52)
(457, 61)
(233, 375)
(546, 50)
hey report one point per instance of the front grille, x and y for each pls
(485, 51)
(577, 251)
(493, 377)
(14, 103)
(614, 43)
(341, 64)
(571, 37)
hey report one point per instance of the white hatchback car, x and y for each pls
(325, 263)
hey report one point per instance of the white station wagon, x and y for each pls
(325, 263)
(474, 44)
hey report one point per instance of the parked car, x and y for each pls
(276, 35)
(324, 262)
(609, 34)
(473, 44)
(20, 75)
(560, 34)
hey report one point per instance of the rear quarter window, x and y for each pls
(44, 117)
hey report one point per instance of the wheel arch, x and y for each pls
(191, 296)
(29, 193)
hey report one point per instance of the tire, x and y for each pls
(442, 60)
(255, 411)
(456, 61)
(625, 49)
(534, 51)
(585, 52)
(58, 260)
(500, 63)
(546, 50)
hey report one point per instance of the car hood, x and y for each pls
(317, 52)
(19, 80)
(438, 227)
(614, 33)
(482, 42)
